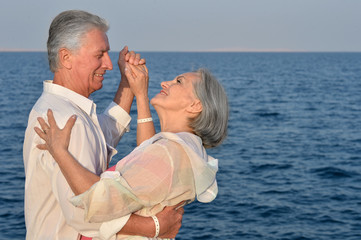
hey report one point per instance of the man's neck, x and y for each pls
(64, 80)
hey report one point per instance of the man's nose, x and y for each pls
(107, 63)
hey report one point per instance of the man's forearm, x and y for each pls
(124, 96)
(170, 220)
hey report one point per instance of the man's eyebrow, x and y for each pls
(103, 50)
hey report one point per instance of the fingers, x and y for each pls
(144, 67)
(40, 133)
(51, 119)
(70, 123)
(180, 210)
(132, 58)
(43, 124)
(122, 55)
(42, 146)
(135, 60)
(124, 51)
(129, 71)
(52, 124)
(136, 71)
(141, 61)
(179, 205)
(139, 69)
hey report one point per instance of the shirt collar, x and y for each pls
(84, 103)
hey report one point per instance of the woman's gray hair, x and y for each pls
(67, 30)
(212, 123)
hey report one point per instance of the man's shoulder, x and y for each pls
(55, 103)
(62, 107)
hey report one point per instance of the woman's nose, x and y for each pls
(164, 84)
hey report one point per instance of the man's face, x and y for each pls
(90, 63)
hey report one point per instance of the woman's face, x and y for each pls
(177, 94)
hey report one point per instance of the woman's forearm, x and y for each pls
(79, 178)
(138, 225)
(145, 130)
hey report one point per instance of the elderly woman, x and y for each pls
(165, 169)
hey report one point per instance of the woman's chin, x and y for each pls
(154, 100)
(151, 102)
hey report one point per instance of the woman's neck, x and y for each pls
(174, 123)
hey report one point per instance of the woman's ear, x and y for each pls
(65, 58)
(195, 107)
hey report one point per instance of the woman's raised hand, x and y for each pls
(138, 79)
(56, 139)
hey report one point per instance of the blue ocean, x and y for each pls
(289, 169)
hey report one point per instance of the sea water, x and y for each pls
(289, 169)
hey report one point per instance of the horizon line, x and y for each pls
(209, 51)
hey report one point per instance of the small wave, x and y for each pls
(340, 197)
(270, 166)
(356, 140)
(279, 192)
(267, 114)
(328, 219)
(310, 109)
(12, 199)
(276, 212)
(332, 173)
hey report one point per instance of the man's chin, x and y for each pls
(97, 88)
(100, 85)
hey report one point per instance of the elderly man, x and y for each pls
(78, 56)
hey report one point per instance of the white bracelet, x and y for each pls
(144, 120)
(157, 227)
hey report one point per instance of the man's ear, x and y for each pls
(65, 58)
(195, 107)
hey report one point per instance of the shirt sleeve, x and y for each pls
(142, 180)
(114, 122)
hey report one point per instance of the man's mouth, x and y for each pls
(98, 75)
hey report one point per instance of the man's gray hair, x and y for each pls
(212, 123)
(67, 30)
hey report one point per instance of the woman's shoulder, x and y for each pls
(178, 142)
(163, 141)
(180, 138)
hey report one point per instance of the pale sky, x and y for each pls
(196, 25)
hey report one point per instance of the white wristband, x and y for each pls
(157, 227)
(144, 120)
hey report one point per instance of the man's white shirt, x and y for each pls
(48, 212)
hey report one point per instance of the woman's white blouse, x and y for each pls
(162, 171)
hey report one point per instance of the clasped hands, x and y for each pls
(133, 67)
